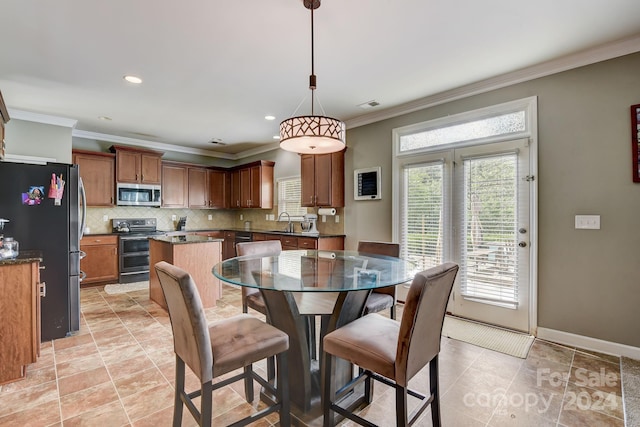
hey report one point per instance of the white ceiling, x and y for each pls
(214, 69)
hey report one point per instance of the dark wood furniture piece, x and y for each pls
(292, 291)
(175, 185)
(137, 166)
(20, 292)
(4, 118)
(322, 178)
(252, 185)
(369, 342)
(101, 261)
(193, 253)
(97, 171)
(212, 350)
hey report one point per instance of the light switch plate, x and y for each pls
(588, 222)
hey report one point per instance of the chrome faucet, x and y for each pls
(289, 228)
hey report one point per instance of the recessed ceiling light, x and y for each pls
(276, 136)
(105, 118)
(133, 79)
(269, 117)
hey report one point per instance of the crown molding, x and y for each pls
(42, 118)
(160, 146)
(259, 150)
(568, 62)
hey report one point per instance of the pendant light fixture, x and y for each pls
(312, 134)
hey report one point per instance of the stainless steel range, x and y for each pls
(133, 242)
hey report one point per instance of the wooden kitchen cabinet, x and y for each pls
(4, 118)
(252, 185)
(97, 171)
(20, 291)
(175, 181)
(137, 166)
(101, 261)
(218, 180)
(229, 245)
(322, 177)
(198, 188)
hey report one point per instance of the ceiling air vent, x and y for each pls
(369, 104)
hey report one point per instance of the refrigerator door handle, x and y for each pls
(83, 196)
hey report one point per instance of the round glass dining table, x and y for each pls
(300, 284)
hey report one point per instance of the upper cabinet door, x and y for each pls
(97, 173)
(137, 166)
(150, 168)
(198, 191)
(322, 179)
(218, 189)
(174, 186)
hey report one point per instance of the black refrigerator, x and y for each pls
(42, 217)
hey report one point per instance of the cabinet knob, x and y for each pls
(42, 267)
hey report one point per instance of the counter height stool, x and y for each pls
(381, 298)
(392, 352)
(214, 349)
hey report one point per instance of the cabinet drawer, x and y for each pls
(99, 240)
(289, 242)
(307, 243)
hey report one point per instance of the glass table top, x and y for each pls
(315, 271)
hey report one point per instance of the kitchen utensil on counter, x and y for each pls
(2, 222)
(9, 248)
(312, 219)
(182, 224)
(305, 226)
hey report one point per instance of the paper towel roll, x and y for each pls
(326, 211)
(326, 254)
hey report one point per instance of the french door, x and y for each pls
(471, 205)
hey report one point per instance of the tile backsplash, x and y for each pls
(198, 219)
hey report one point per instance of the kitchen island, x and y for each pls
(195, 254)
(20, 292)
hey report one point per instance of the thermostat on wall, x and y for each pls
(366, 184)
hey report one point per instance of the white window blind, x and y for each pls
(489, 267)
(422, 222)
(289, 193)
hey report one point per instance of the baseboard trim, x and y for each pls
(588, 343)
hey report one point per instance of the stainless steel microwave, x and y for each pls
(138, 195)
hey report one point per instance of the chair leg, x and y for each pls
(312, 337)
(206, 403)
(271, 369)
(402, 416)
(393, 312)
(434, 388)
(328, 389)
(282, 390)
(177, 402)
(248, 383)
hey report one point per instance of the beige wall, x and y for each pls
(588, 280)
(27, 138)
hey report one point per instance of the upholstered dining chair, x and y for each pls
(214, 349)
(381, 298)
(251, 297)
(393, 352)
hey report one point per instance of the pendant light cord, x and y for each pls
(312, 77)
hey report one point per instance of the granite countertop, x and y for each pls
(185, 239)
(24, 257)
(176, 233)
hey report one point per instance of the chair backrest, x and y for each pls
(191, 341)
(379, 248)
(422, 319)
(261, 247)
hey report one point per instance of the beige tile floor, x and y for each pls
(119, 370)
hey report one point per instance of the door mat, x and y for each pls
(505, 341)
(121, 288)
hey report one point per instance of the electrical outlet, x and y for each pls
(173, 217)
(266, 217)
(241, 217)
(324, 218)
(590, 222)
(337, 217)
(209, 217)
(105, 218)
(272, 217)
